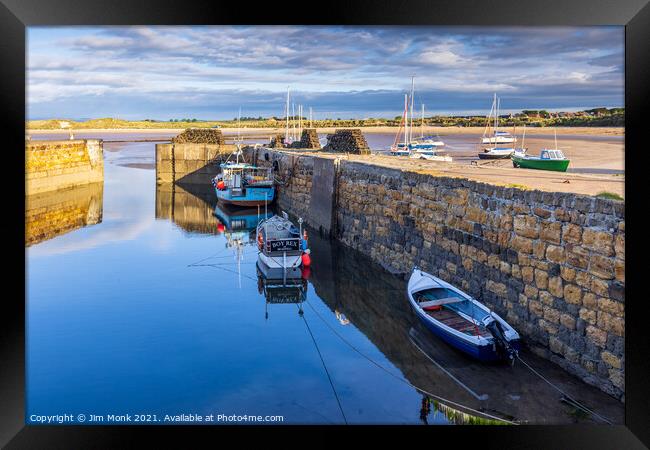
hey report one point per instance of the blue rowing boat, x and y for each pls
(460, 320)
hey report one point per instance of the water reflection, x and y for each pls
(54, 213)
(190, 207)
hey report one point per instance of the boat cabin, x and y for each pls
(551, 154)
(278, 235)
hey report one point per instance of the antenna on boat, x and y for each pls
(555, 135)
(523, 139)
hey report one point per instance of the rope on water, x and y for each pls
(576, 403)
(403, 380)
(325, 367)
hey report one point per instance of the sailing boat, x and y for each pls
(424, 148)
(425, 142)
(497, 137)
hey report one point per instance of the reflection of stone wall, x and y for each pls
(51, 214)
(552, 264)
(52, 165)
(190, 210)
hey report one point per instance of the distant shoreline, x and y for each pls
(615, 131)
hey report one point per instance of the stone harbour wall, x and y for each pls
(52, 165)
(189, 163)
(552, 264)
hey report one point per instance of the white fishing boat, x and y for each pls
(492, 134)
(281, 245)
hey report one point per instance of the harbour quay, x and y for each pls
(551, 263)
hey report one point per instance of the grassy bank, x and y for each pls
(599, 117)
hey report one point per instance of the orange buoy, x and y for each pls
(220, 228)
(306, 260)
(221, 185)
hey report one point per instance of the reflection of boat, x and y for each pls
(237, 219)
(285, 287)
(460, 320)
(243, 184)
(280, 243)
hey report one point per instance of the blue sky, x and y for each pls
(209, 72)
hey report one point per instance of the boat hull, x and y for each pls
(279, 262)
(485, 353)
(499, 140)
(486, 155)
(557, 165)
(252, 196)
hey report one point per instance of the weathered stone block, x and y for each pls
(598, 241)
(522, 244)
(572, 294)
(526, 226)
(601, 266)
(572, 233)
(555, 286)
(551, 232)
(541, 279)
(596, 335)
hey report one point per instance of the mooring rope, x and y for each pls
(403, 380)
(575, 402)
(336, 395)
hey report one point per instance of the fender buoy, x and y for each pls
(220, 228)
(306, 260)
(221, 185)
(306, 271)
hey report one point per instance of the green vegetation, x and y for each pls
(596, 117)
(523, 187)
(609, 195)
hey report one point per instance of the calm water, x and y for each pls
(152, 311)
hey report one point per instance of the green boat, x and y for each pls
(548, 159)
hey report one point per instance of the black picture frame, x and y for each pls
(16, 15)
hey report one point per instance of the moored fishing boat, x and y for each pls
(460, 320)
(548, 159)
(281, 245)
(243, 184)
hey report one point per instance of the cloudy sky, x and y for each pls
(209, 72)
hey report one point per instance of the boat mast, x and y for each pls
(422, 124)
(286, 134)
(310, 118)
(555, 135)
(411, 127)
(406, 128)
